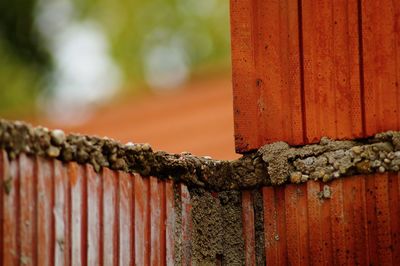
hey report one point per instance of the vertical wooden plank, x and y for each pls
(327, 230)
(163, 221)
(78, 214)
(126, 220)
(277, 62)
(382, 213)
(302, 223)
(274, 226)
(281, 228)
(346, 72)
(157, 225)
(61, 214)
(370, 201)
(45, 217)
(292, 241)
(337, 223)
(26, 222)
(296, 224)
(243, 75)
(396, 6)
(248, 228)
(316, 243)
(349, 224)
(110, 225)
(381, 84)
(10, 212)
(170, 222)
(142, 230)
(266, 68)
(355, 220)
(94, 183)
(186, 225)
(394, 199)
(331, 69)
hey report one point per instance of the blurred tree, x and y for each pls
(18, 32)
(145, 38)
(199, 28)
(24, 58)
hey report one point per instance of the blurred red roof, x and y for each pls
(197, 118)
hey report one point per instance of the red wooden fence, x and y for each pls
(301, 70)
(306, 69)
(67, 214)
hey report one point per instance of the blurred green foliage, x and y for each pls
(20, 83)
(17, 31)
(131, 26)
(23, 57)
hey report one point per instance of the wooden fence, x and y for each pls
(307, 69)
(301, 70)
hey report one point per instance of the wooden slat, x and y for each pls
(62, 216)
(274, 226)
(337, 223)
(380, 31)
(314, 221)
(186, 225)
(266, 68)
(296, 224)
(355, 220)
(10, 212)
(394, 207)
(170, 222)
(157, 217)
(126, 220)
(326, 230)
(244, 76)
(248, 228)
(26, 215)
(277, 62)
(76, 175)
(142, 221)
(155, 222)
(27, 208)
(110, 216)
(331, 69)
(370, 201)
(94, 189)
(382, 213)
(45, 217)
